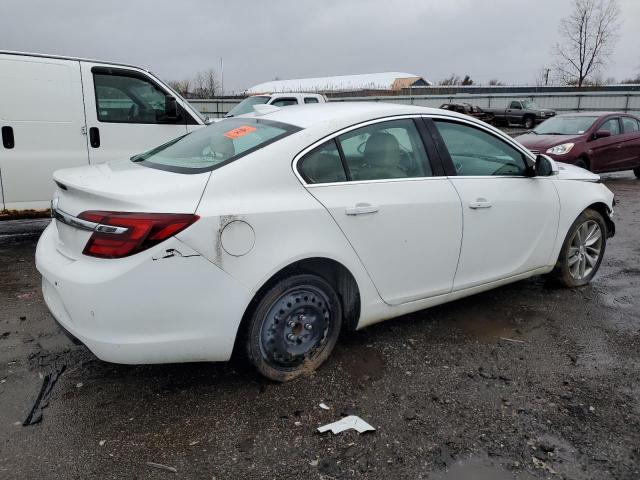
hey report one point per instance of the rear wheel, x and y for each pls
(294, 327)
(582, 250)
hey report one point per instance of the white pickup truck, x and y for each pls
(275, 99)
(58, 112)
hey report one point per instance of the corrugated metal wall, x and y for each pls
(562, 102)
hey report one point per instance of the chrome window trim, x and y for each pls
(480, 125)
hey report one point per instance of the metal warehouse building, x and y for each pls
(390, 81)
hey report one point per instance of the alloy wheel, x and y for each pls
(585, 249)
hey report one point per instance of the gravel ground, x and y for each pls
(524, 382)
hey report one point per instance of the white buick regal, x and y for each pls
(273, 233)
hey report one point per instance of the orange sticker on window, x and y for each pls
(239, 132)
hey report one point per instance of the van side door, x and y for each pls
(42, 123)
(129, 112)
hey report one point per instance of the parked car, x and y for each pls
(275, 99)
(275, 232)
(600, 142)
(468, 109)
(520, 112)
(58, 112)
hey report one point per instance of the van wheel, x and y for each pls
(582, 250)
(636, 172)
(528, 122)
(294, 327)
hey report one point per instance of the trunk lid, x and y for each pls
(120, 186)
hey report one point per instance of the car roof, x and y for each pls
(75, 59)
(342, 114)
(590, 114)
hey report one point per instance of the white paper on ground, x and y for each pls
(352, 421)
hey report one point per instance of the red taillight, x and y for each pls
(142, 231)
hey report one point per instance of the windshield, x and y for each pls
(246, 106)
(529, 104)
(565, 126)
(215, 145)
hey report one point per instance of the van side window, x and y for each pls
(130, 98)
(310, 100)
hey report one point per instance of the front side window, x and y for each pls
(629, 124)
(612, 125)
(130, 98)
(516, 106)
(323, 164)
(215, 145)
(475, 152)
(385, 150)
(310, 100)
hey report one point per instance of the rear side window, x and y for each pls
(629, 124)
(310, 100)
(284, 102)
(385, 150)
(475, 152)
(323, 165)
(215, 145)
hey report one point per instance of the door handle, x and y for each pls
(480, 203)
(8, 139)
(94, 137)
(361, 209)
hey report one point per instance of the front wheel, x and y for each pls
(529, 122)
(636, 172)
(294, 327)
(582, 250)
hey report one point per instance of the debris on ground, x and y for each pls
(160, 466)
(42, 402)
(324, 406)
(352, 421)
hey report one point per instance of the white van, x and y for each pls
(58, 112)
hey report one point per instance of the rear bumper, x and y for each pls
(144, 308)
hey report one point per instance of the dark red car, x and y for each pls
(600, 142)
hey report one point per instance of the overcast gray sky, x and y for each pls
(260, 40)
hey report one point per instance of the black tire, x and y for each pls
(568, 270)
(528, 122)
(293, 327)
(636, 172)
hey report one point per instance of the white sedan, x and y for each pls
(273, 233)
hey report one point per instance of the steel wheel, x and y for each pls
(295, 326)
(585, 250)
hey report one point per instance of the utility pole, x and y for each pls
(221, 77)
(546, 76)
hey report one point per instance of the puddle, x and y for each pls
(478, 469)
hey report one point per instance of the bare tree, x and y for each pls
(494, 82)
(206, 84)
(589, 34)
(181, 86)
(456, 80)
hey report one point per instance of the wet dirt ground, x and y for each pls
(524, 382)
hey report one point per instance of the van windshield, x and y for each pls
(215, 145)
(246, 105)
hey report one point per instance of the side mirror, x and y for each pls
(170, 107)
(545, 166)
(602, 134)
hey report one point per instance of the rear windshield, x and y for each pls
(215, 145)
